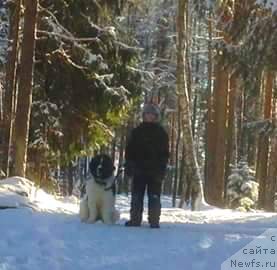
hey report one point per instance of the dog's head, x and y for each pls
(101, 166)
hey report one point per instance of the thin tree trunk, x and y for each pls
(167, 185)
(263, 147)
(271, 177)
(272, 169)
(23, 111)
(1, 104)
(11, 93)
(209, 145)
(182, 184)
(122, 185)
(126, 179)
(70, 180)
(113, 147)
(230, 151)
(241, 132)
(177, 163)
(190, 155)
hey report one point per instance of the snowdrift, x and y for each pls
(17, 192)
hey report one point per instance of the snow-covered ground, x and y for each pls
(45, 233)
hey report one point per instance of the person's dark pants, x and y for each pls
(153, 183)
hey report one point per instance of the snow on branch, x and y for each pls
(120, 91)
(129, 48)
(268, 4)
(56, 21)
(263, 127)
(103, 126)
(61, 54)
(68, 38)
(143, 73)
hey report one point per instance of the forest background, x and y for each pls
(75, 74)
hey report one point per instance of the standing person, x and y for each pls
(146, 156)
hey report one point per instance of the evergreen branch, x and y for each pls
(264, 127)
(259, 122)
(149, 74)
(104, 127)
(55, 20)
(60, 53)
(67, 38)
(128, 48)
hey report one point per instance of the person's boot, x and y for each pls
(132, 223)
(154, 211)
(135, 212)
(154, 225)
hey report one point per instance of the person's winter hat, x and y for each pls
(153, 109)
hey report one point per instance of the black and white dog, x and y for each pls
(99, 200)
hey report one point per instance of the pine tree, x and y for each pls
(24, 103)
(11, 84)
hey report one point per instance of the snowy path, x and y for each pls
(55, 239)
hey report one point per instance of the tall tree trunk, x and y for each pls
(70, 173)
(182, 175)
(251, 139)
(23, 111)
(10, 93)
(167, 186)
(272, 169)
(196, 26)
(121, 184)
(214, 186)
(177, 163)
(210, 113)
(113, 147)
(241, 139)
(220, 97)
(271, 177)
(230, 148)
(1, 104)
(263, 146)
(183, 99)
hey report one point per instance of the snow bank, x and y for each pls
(18, 192)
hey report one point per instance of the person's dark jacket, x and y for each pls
(148, 148)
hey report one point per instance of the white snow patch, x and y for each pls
(52, 237)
